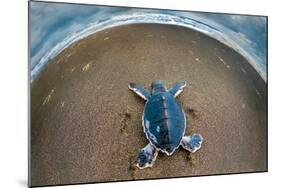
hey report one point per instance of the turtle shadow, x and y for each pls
(139, 99)
(186, 156)
(191, 159)
(191, 112)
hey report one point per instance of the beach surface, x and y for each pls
(86, 124)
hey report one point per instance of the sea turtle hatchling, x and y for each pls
(164, 123)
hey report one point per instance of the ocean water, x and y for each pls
(54, 27)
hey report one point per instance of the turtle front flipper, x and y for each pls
(143, 93)
(147, 156)
(177, 88)
(192, 143)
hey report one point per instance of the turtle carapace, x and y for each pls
(164, 123)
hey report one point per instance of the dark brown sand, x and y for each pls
(86, 123)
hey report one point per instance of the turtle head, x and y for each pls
(158, 86)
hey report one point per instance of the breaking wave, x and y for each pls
(224, 35)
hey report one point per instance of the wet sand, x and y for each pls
(86, 123)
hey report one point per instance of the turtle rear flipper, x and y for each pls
(192, 143)
(143, 93)
(146, 157)
(177, 88)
